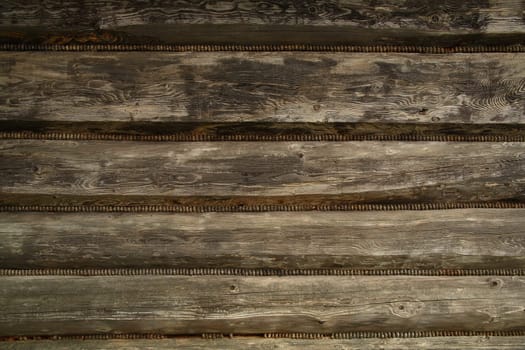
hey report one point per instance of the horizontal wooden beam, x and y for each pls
(415, 171)
(350, 21)
(259, 343)
(43, 305)
(262, 87)
(450, 239)
(494, 16)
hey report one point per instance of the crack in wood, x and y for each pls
(260, 131)
(311, 336)
(256, 208)
(513, 48)
(258, 272)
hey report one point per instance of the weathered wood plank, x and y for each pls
(450, 239)
(271, 87)
(96, 14)
(430, 171)
(251, 305)
(242, 343)
(96, 21)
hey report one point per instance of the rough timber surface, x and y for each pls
(262, 87)
(434, 171)
(41, 305)
(105, 234)
(448, 239)
(242, 343)
(448, 22)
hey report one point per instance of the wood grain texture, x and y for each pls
(451, 239)
(271, 87)
(448, 14)
(96, 21)
(461, 171)
(242, 343)
(252, 305)
(113, 91)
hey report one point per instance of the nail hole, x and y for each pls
(401, 307)
(232, 287)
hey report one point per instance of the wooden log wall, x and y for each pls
(262, 174)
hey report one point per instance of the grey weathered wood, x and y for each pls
(314, 87)
(249, 305)
(495, 15)
(429, 171)
(449, 239)
(369, 21)
(242, 343)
